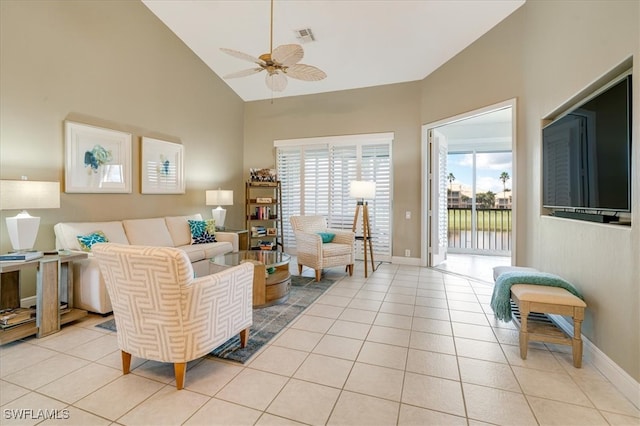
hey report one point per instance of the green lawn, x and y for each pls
(488, 220)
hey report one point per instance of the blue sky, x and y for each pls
(489, 167)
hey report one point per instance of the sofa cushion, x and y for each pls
(202, 231)
(67, 233)
(148, 232)
(86, 241)
(179, 228)
(206, 251)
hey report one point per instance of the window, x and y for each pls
(315, 175)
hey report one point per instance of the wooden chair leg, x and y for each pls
(180, 368)
(350, 269)
(244, 337)
(576, 348)
(299, 269)
(126, 362)
(318, 274)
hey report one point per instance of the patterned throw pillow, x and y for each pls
(327, 237)
(202, 231)
(86, 241)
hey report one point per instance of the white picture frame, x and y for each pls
(97, 160)
(162, 167)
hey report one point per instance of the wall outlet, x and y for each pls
(407, 253)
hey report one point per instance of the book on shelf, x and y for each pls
(16, 316)
(21, 256)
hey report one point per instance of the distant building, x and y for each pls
(504, 200)
(459, 196)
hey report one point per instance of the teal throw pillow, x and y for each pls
(202, 231)
(327, 237)
(86, 241)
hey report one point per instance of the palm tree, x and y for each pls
(450, 178)
(504, 177)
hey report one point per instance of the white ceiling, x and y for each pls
(359, 43)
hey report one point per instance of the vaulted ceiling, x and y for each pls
(358, 43)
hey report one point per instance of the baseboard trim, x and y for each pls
(412, 261)
(28, 301)
(626, 384)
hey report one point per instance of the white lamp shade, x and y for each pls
(219, 197)
(29, 194)
(362, 189)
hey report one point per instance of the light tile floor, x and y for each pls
(406, 346)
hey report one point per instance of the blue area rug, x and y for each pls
(267, 322)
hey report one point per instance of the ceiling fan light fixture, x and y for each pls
(279, 62)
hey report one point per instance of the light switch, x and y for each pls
(407, 214)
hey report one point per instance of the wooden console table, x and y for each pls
(54, 295)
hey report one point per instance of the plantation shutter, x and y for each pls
(316, 173)
(289, 162)
(376, 166)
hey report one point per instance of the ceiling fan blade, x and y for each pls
(276, 81)
(243, 73)
(288, 54)
(241, 55)
(305, 72)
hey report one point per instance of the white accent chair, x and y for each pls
(163, 313)
(315, 254)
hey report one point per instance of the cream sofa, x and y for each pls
(89, 289)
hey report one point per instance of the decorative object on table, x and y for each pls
(268, 321)
(97, 160)
(278, 63)
(23, 256)
(220, 198)
(363, 190)
(266, 245)
(162, 167)
(26, 194)
(263, 175)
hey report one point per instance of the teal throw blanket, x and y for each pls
(500, 299)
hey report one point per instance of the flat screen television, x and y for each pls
(586, 154)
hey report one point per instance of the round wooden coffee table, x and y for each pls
(271, 277)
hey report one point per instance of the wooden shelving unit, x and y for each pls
(263, 215)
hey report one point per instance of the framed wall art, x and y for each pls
(97, 160)
(162, 166)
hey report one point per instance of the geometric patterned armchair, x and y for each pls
(163, 313)
(312, 252)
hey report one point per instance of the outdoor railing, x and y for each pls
(493, 229)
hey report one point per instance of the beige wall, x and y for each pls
(392, 108)
(112, 64)
(543, 55)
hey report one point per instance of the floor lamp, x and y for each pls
(362, 190)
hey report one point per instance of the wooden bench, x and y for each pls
(549, 300)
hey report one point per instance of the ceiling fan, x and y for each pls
(278, 63)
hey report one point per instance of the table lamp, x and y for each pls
(220, 198)
(26, 194)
